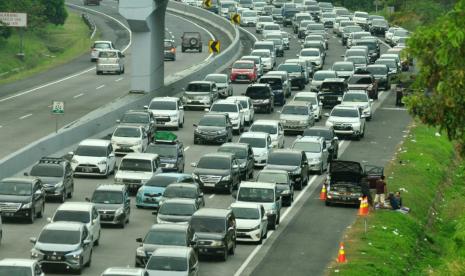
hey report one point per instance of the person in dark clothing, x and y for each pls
(381, 190)
(394, 201)
(366, 192)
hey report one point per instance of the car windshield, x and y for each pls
(163, 105)
(272, 177)
(217, 78)
(329, 15)
(243, 65)
(138, 165)
(320, 76)
(315, 27)
(107, 197)
(285, 159)
(290, 68)
(219, 107)
(360, 80)
(355, 97)
(69, 215)
(15, 270)
(276, 11)
(101, 46)
(357, 60)
(15, 188)
(208, 225)
(332, 87)
(59, 236)
(343, 112)
(180, 192)
(255, 194)
(370, 44)
(176, 238)
(271, 27)
(361, 14)
(93, 151)
(327, 134)
(265, 19)
(343, 67)
(107, 54)
(391, 63)
(401, 33)
(310, 53)
(295, 110)
(161, 181)
(239, 152)
(162, 150)
(127, 132)
(264, 54)
(213, 121)
(168, 44)
(271, 129)
(352, 29)
(275, 83)
(258, 92)
(47, 170)
(253, 142)
(276, 41)
(176, 209)
(249, 14)
(215, 163)
(163, 263)
(198, 87)
(377, 70)
(379, 23)
(135, 118)
(246, 213)
(309, 99)
(307, 146)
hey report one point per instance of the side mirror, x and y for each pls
(342, 56)
(118, 121)
(122, 55)
(49, 220)
(297, 55)
(94, 221)
(326, 114)
(235, 167)
(26, 174)
(181, 108)
(195, 125)
(71, 153)
(152, 122)
(336, 138)
(278, 197)
(111, 154)
(230, 229)
(371, 100)
(139, 240)
(87, 242)
(193, 164)
(87, 199)
(33, 239)
(201, 195)
(146, 107)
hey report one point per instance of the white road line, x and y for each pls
(384, 43)
(186, 148)
(1, 126)
(212, 196)
(117, 80)
(99, 87)
(78, 95)
(25, 116)
(394, 108)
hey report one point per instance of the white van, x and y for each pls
(136, 169)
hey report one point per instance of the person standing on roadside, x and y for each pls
(381, 190)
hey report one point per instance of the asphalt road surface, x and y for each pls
(305, 241)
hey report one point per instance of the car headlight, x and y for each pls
(270, 212)
(196, 177)
(256, 227)
(296, 171)
(174, 118)
(329, 123)
(26, 206)
(59, 184)
(205, 98)
(217, 243)
(119, 211)
(197, 130)
(74, 161)
(140, 251)
(170, 165)
(139, 193)
(242, 165)
(267, 101)
(102, 162)
(226, 178)
(118, 180)
(36, 254)
(302, 122)
(286, 192)
(137, 143)
(221, 131)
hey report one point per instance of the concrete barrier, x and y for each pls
(105, 117)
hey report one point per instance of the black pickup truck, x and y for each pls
(345, 179)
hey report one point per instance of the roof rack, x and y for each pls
(165, 137)
(51, 160)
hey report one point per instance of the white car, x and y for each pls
(110, 61)
(261, 20)
(390, 33)
(247, 108)
(167, 111)
(128, 138)
(223, 84)
(271, 28)
(93, 157)
(261, 145)
(361, 18)
(259, 6)
(312, 98)
(347, 121)
(315, 150)
(312, 54)
(99, 46)
(251, 221)
(319, 77)
(234, 110)
(267, 58)
(20, 267)
(272, 127)
(297, 116)
(359, 99)
(83, 212)
(249, 18)
(135, 169)
(343, 69)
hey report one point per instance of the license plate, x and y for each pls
(7, 214)
(87, 170)
(209, 184)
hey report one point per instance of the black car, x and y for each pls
(293, 161)
(171, 153)
(262, 97)
(381, 74)
(141, 118)
(164, 235)
(378, 26)
(22, 197)
(296, 74)
(331, 91)
(373, 47)
(216, 231)
(213, 128)
(184, 190)
(277, 85)
(218, 171)
(56, 175)
(332, 142)
(244, 155)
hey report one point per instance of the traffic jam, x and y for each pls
(215, 167)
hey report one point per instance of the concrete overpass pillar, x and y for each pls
(146, 19)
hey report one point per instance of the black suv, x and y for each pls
(170, 151)
(56, 175)
(22, 197)
(191, 40)
(332, 90)
(219, 171)
(213, 128)
(296, 74)
(216, 231)
(293, 161)
(141, 118)
(244, 155)
(113, 204)
(164, 235)
(332, 142)
(262, 97)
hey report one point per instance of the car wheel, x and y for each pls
(200, 49)
(63, 196)
(78, 271)
(97, 241)
(32, 215)
(266, 234)
(70, 193)
(123, 224)
(232, 250)
(89, 262)
(273, 225)
(231, 188)
(327, 203)
(320, 172)
(225, 254)
(299, 186)
(251, 174)
(181, 125)
(279, 218)
(42, 209)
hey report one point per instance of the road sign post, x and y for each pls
(58, 108)
(236, 19)
(19, 20)
(214, 46)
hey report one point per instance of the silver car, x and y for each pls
(297, 116)
(176, 210)
(223, 84)
(110, 61)
(174, 262)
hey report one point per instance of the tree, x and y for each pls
(55, 11)
(438, 97)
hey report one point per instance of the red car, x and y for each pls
(243, 70)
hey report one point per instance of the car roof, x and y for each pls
(274, 171)
(234, 145)
(64, 225)
(170, 227)
(190, 201)
(341, 106)
(127, 271)
(137, 111)
(255, 134)
(216, 74)
(142, 156)
(245, 205)
(306, 94)
(266, 122)
(20, 179)
(95, 142)
(218, 154)
(110, 187)
(226, 101)
(334, 80)
(201, 82)
(249, 184)
(76, 206)
(17, 262)
(127, 126)
(211, 212)
(183, 185)
(297, 103)
(356, 92)
(309, 139)
(171, 99)
(180, 252)
(286, 151)
(244, 61)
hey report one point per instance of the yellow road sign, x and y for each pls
(214, 46)
(207, 3)
(236, 18)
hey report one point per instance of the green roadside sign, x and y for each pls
(58, 107)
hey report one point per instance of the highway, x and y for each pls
(308, 236)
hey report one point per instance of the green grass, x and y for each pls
(44, 49)
(392, 242)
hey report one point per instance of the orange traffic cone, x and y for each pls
(323, 192)
(363, 210)
(341, 256)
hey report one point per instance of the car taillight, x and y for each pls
(173, 50)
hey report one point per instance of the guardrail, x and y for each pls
(90, 24)
(105, 117)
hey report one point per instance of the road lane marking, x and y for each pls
(1, 126)
(117, 80)
(212, 196)
(25, 116)
(99, 87)
(186, 148)
(394, 108)
(78, 95)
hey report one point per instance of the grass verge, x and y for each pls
(44, 49)
(393, 243)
